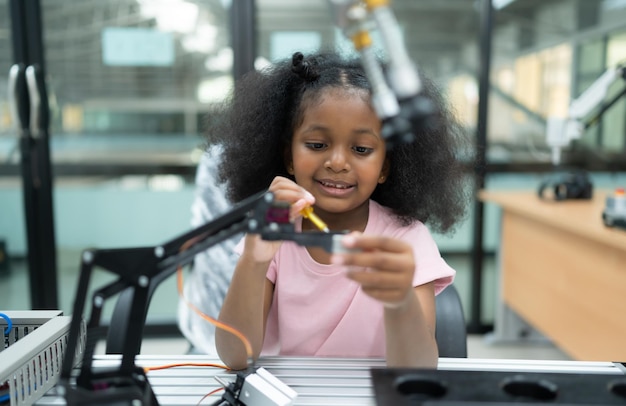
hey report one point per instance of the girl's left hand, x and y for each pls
(383, 266)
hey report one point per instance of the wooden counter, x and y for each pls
(564, 272)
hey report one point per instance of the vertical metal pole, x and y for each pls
(475, 325)
(35, 156)
(243, 36)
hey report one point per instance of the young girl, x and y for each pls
(305, 130)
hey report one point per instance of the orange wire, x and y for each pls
(185, 364)
(216, 323)
(214, 391)
(190, 364)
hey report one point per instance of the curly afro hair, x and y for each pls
(426, 181)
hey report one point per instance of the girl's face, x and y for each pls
(338, 153)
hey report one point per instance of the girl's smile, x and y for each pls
(335, 188)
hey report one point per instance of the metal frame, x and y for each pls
(30, 99)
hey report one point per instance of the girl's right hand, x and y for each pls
(288, 191)
(284, 190)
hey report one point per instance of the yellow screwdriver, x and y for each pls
(307, 213)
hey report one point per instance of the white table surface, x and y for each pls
(318, 381)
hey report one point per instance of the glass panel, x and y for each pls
(557, 63)
(546, 77)
(614, 121)
(590, 65)
(608, 134)
(616, 49)
(127, 76)
(14, 287)
(7, 132)
(532, 87)
(301, 25)
(130, 83)
(591, 58)
(287, 42)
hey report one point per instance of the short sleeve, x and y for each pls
(429, 265)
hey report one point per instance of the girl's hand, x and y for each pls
(288, 191)
(383, 267)
(284, 190)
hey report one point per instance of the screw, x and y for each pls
(253, 224)
(98, 301)
(143, 281)
(87, 257)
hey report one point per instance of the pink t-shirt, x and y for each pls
(318, 311)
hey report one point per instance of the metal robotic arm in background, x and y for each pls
(561, 131)
(396, 87)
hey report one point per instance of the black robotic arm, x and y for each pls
(143, 268)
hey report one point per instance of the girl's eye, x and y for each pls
(315, 145)
(363, 150)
